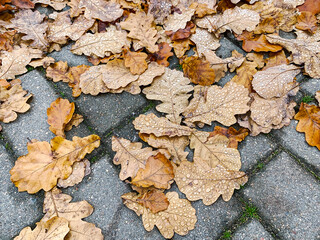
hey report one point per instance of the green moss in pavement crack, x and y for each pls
(307, 99)
(29, 68)
(147, 108)
(226, 235)
(249, 211)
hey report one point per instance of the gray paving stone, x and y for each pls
(227, 46)
(296, 143)
(17, 210)
(32, 124)
(102, 189)
(288, 198)
(67, 56)
(253, 149)
(252, 230)
(311, 86)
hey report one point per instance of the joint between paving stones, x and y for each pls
(6, 143)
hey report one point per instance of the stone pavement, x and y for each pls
(280, 201)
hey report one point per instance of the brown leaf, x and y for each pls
(161, 56)
(198, 71)
(57, 71)
(60, 114)
(136, 61)
(4, 6)
(46, 163)
(245, 74)
(56, 4)
(182, 33)
(160, 9)
(100, 9)
(31, 23)
(15, 62)
(155, 200)
(215, 151)
(175, 145)
(197, 180)
(180, 47)
(276, 59)
(58, 204)
(267, 25)
(151, 124)
(275, 81)
(307, 21)
(303, 51)
(140, 26)
(73, 75)
(218, 104)
(312, 6)
(7, 40)
(55, 228)
(130, 155)
(202, 9)
(172, 89)
(309, 123)
(257, 43)
(79, 171)
(180, 217)
(44, 62)
(232, 134)
(75, 121)
(13, 101)
(158, 172)
(177, 21)
(318, 97)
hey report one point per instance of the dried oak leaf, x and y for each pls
(155, 200)
(79, 171)
(15, 62)
(236, 20)
(275, 81)
(7, 40)
(276, 59)
(257, 43)
(141, 28)
(307, 21)
(312, 6)
(4, 6)
(60, 114)
(105, 11)
(135, 61)
(303, 52)
(157, 172)
(199, 71)
(13, 101)
(58, 204)
(151, 124)
(309, 123)
(215, 151)
(55, 228)
(179, 217)
(180, 47)
(318, 97)
(46, 163)
(245, 74)
(204, 41)
(197, 180)
(179, 20)
(202, 9)
(101, 44)
(234, 136)
(182, 33)
(44, 62)
(75, 121)
(218, 104)
(57, 71)
(160, 9)
(161, 56)
(31, 23)
(130, 155)
(75, 9)
(56, 4)
(221, 66)
(172, 89)
(63, 28)
(174, 145)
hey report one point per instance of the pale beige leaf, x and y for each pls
(236, 20)
(100, 9)
(54, 229)
(15, 62)
(303, 52)
(177, 20)
(275, 81)
(140, 26)
(204, 41)
(135, 61)
(79, 171)
(81, 230)
(160, 9)
(75, 121)
(63, 28)
(180, 217)
(56, 4)
(219, 104)
(285, 3)
(45, 163)
(215, 150)
(44, 62)
(172, 89)
(101, 44)
(31, 23)
(75, 10)
(318, 97)
(13, 101)
(130, 155)
(198, 180)
(151, 124)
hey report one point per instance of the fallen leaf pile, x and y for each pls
(129, 44)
